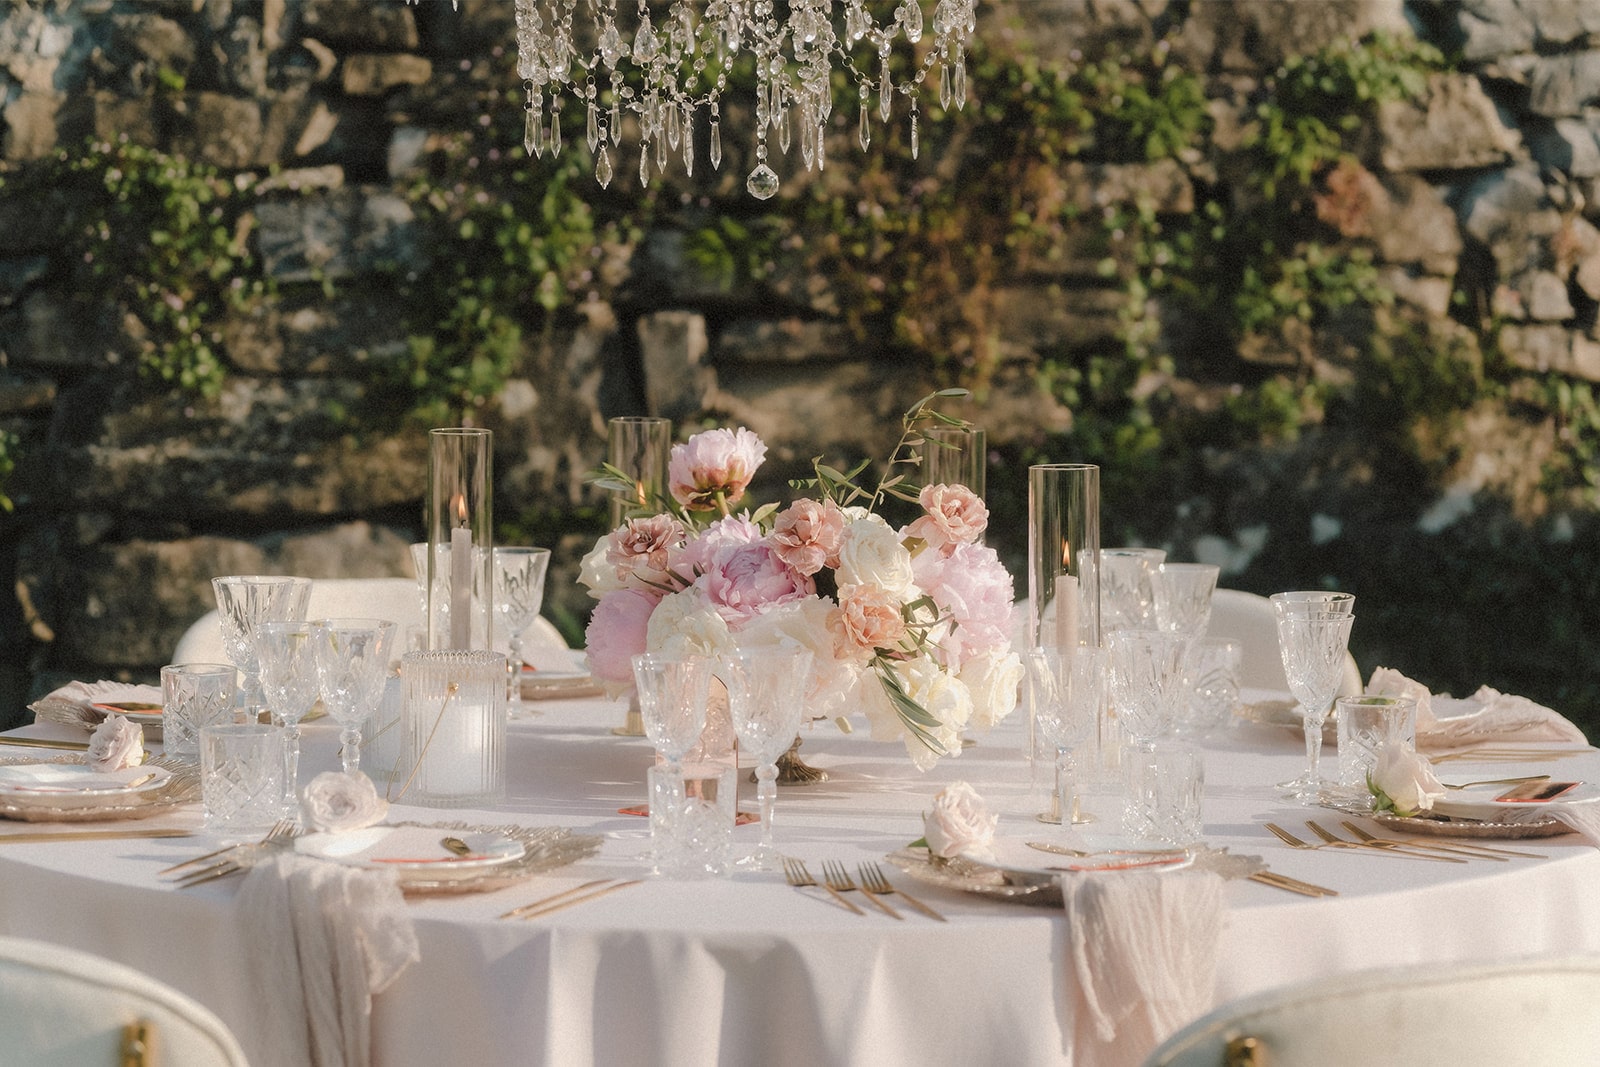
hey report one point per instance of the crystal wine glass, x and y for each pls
(1067, 687)
(672, 702)
(286, 653)
(518, 595)
(244, 601)
(765, 692)
(352, 658)
(1127, 588)
(1146, 674)
(1313, 645)
(1183, 597)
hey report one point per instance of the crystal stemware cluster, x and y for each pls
(671, 71)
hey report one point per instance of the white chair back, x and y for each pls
(1478, 1015)
(1249, 619)
(63, 1008)
(395, 599)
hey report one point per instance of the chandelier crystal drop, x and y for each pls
(668, 69)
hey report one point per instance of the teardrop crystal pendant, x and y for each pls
(716, 144)
(864, 135)
(593, 126)
(783, 132)
(914, 137)
(885, 93)
(944, 86)
(644, 166)
(531, 129)
(960, 87)
(602, 168)
(808, 151)
(762, 183)
(555, 134)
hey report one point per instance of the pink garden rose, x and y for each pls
(970, 584)
(955, 515)
(807, 535)
(869, 619)
(643, 548)
(712, 469)
(742, 580)
(726, 532)
(616, 634)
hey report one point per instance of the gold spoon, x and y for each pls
(1498, 781)
(456, 845)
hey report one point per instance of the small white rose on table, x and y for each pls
(959, 824)
(334, 802)
(1403, 781)
(116, 744)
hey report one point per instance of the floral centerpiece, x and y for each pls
(909, 626)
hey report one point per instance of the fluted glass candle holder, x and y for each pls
(638, 447)
(455, 729)
(460, 516)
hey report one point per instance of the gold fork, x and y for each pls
(1294, 842)
(282, 826)
(873, 881)
(1394, 850)
(231, 858)
(794, 871)
(1465, 848)
(839, 878)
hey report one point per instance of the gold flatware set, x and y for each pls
(874, 886)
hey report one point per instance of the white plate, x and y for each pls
(412, 851)
(74, 785)
(1479, 803)
(1021, 862)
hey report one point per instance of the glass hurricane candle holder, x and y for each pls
(460, 538)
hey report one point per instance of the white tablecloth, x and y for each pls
(746, 969)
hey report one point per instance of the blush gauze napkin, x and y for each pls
(1143, 950)
(322, 939)
(1487, 715)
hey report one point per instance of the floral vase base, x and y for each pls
(793, 771)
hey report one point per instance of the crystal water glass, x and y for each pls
(244, 601)
(766, 689)
(194, 696)
(241, 777)
(1312, 643)
(1066, 688)
(1146, 671)
(1367, 725)
(287, 654)
(1183, 597)
(518, 596)
(672, 702)
(1213, 684)
(352, 657)
(1127, 588)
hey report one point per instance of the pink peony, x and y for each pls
(742, 580)
(712, 469)
(869, 619)
(616, 634)
(807, 535)
(955, 515)
(969, 583)
(643, 548)
(724, 533)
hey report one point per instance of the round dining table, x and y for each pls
(745, 968)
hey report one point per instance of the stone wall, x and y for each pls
(1484, 191)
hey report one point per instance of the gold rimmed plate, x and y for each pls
(543, 848)
(178, 784)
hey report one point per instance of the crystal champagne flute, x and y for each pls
(765, 692)
(1312, 643)
(518, 596)
(286, 652)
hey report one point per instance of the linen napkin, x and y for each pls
(322, 938)
(75, 703)
(1487, 715)
(1143, 952)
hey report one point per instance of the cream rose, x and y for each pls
(596, 572)
(333, 802)
(873, 555)
(685, 624)
(993, 679)
(959, 824)
(1403, 782)
(116, 743)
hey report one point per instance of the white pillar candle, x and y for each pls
(460, 580)
(455, 763)
(1066, 605)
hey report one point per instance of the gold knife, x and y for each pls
(90, 835)
(558, 905)
(45, 742)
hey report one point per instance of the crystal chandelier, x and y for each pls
(670, 68)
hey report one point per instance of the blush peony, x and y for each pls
(616, 634)
(808, 534)
(711, 470)
(955, 516)
(741, 581)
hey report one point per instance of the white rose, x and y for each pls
(333, 802)
(993, 679)
(959, 824)
(805, 622)
(1403, 781)
(684, 624)
(594, 572)
(116, 743)
(945, 698)
(873, 555)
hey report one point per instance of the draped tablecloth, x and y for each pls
(746, 969)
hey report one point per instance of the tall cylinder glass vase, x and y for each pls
(1064, 593)
(460, 513)
(638, 447)
(955, 455)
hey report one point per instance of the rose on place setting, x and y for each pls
(959, 824)
(910, 627)
(1403, 781)
(334, 802)
(116, 744)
